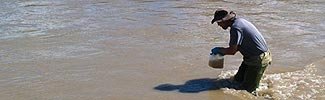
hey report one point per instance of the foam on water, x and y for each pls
(299, 85)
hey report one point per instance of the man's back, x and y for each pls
(249, 40)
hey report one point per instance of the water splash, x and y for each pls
(298, 85)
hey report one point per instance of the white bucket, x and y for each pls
(216, 61)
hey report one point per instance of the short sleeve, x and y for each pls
(235, 37)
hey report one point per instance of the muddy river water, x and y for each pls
(153, 49)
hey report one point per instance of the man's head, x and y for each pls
(223, 18)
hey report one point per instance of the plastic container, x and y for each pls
(216, 61)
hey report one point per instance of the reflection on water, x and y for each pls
(122, 49)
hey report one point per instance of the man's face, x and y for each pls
(223, 25)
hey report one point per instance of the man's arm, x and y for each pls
(231, 50)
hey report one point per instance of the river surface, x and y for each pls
(153, 49)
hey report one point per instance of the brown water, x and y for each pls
(153, 49)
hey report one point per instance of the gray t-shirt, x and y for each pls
(249, 40)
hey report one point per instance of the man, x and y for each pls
(245, 38)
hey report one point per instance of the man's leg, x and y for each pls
(252, 77)
(239, 77)
(254, 72)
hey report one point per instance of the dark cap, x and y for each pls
(222, 15)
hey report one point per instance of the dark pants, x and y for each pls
(251, 71)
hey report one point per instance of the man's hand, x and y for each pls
(216, 50)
